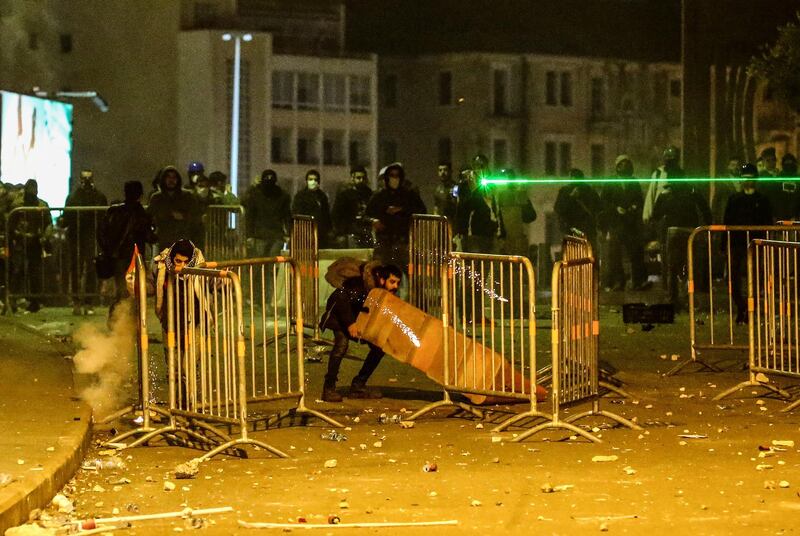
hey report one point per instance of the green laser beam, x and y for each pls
(489, 181)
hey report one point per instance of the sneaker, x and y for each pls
(329, 394)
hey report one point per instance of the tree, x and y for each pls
(779, 65)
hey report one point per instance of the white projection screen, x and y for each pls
(36, 143)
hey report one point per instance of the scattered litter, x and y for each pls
(476, 502)
(693, 436)
(187, 470)
(31, 529)
(784, 483)
(629, 470)
(20, 462)
(479, 426)
(330, 464)
(674, 357)
(333, 435)
(769, 484)
(63, 504)
(5, 479)
(611, 458)
(168, 486)
(763, 467)
(548, 488)
(334, 520)
(378, 444)
(98, 488)
(430, 467)
(344, 505)
(385, 419)
(186, 513)
(783, 443)
(497, 439)
(407, 424)
(762, 378)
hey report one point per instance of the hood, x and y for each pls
(196, 260)
(394, 165)
(164, 172)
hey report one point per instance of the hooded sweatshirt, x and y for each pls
(176, 213)
(396, 221)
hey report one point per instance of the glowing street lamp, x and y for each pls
(237, 74)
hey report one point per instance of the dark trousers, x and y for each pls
(83, 278)
(620, 243)
(676, 241)
(340, 344)
(739, 276)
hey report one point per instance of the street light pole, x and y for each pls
(235, 99)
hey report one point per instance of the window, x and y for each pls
(307, 147)
(65, 40)
(564, 158)
(283, 89)
(445, 88)
(332, 148)
(307, 91)
(551, 88)
(500, 153)
(445, 150)
(388, 151)
(598, 97)
(281, 148)
(389, 91)
(333, 92)
(598, 160)
(675, 88)
(566, 89)
(33, 41)
(501, 91)
(550, 168)
(359, 149)
(360, 99)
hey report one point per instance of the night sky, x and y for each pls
(647, 30)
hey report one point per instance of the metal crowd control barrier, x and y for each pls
(773, 310)
(225, 232)
(489, 351)
(145, 403)
(720, 303)
(574, 248)
(430, 239)
(574, 336)
(275, 366)
(304, 249)
(47, 262)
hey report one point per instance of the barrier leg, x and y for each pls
(531, 414)
(117, 415)
(596, 411)
(791, 406)
(622, 393)
(242, 441)
(753, 383)
(557, 424)
(445, 402)
(704, 366)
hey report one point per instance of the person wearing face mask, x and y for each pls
(81, 234)
(391, 209)
(748, 207)
(312, 201)
(349, 220)
(30, 233)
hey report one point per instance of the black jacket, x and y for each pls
(268, 213)
(578, 207)
(478, 216)
(83, 224)
(314, 203)
(627, 196)
(124, 226)
(349, 207)
(396, 225)
(176, 213)
(743, 209)
(681, 206)
(344, 304)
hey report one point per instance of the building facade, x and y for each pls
(539, 115)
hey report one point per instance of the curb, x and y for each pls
(20, 498)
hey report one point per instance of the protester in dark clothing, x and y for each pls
(677, 212)
(176, 213)
(268, 216)
(669, 169)
(171, 261)
(622, 220)
(312, 201)
(578, 206)
(81, 234)
(784, 196)
(349, 211)
(30, 234)
(479, 219)
(340, 315)
(445, 202)
(125, 227)
(748, 207)
(391, 209)
(517, 213)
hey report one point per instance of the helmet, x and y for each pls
(748, 171)
(195, 167)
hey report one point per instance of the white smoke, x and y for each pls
(108, 356)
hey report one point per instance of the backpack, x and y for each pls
(342, 269)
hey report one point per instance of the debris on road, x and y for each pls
(611, 458)
(333, 435)
(330, 464)
(187, 470)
